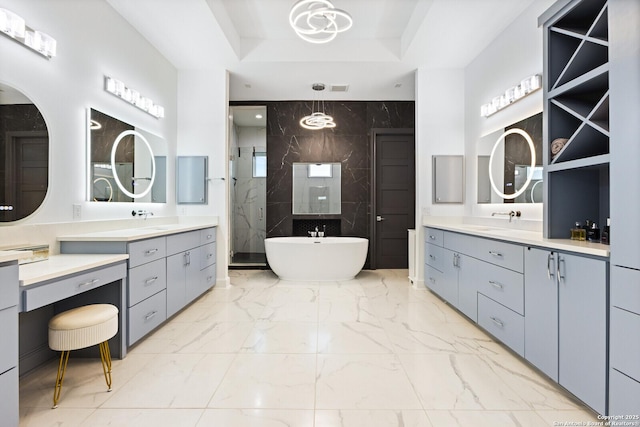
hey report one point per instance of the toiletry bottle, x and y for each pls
(594, 233)
(604, 238)
(579, 232)
(575, 232)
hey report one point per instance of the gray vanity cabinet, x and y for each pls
(541, 307)
(9, 352)
(146, 287)
(624, 58)
(165, 273)
(568, 293)
(624, 383)
(183, 268)
(441, 271)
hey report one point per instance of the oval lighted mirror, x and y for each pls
(126, 163)
(24, 155)
(510, 163)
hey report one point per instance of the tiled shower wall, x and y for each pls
(348, 143)
(248, 194)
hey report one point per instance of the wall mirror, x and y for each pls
(126, 163)
(24, 155)
(510, 163)
(316, 188)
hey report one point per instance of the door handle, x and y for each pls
(379, 218)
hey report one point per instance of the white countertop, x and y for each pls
(8, 256)
(62, 265)
(533, 238)
(139, 233)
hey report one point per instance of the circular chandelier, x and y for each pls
(317, 119)
(317, 21)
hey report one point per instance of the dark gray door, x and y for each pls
(393, 206)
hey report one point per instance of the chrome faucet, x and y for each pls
(511, 214)
(142, 212)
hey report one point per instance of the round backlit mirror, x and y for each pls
(529, 171)
(24, 155)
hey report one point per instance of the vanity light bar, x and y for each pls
(133, 97)
(511, 95)
(14, 27)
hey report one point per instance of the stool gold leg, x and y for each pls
(62, 368)
(105, 356)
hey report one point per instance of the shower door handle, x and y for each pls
(379, 218)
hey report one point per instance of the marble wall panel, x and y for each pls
(348, 143)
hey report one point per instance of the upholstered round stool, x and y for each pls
(80, 328)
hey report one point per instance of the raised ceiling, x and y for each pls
(377, 58)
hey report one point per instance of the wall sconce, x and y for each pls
(133, 97)
(511, 95)
(14, 27)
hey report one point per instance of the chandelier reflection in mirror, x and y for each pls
(317, 119)
(318, 21)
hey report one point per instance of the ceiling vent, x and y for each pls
(339, 88)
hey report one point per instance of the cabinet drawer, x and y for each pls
(207, 255)
(147, 315)
(625, 342)
(625, 288)
(437, 281)
(208, 235)
(177, 243)
(146, 280)
(435, 256)
(9, 353)
(507, 255)
(433, 236)
(9, 402)
(37, 296)
(146, 251)
(501, 285)
(624, 395)
(504, 324)
(206, 280)
(9, 286)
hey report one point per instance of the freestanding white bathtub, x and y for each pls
(311, 259)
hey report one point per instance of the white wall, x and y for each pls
(515, 54)
(93, 40)
(203, 115)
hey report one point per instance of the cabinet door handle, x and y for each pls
(209, 278)
(432, 237)
(151, 251)
(495, 254)
(549, 261)
(150, 280)
(560, 275)
(209, 255)
(151, 315)
(432, 280)
(496, 285)
(209, 236)
(497, 321)
(88, 283)
(187, 258)
(432, 257)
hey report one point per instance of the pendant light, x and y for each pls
(318, 21)
(317, 119)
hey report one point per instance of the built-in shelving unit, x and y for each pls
(576, 97)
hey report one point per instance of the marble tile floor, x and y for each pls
(371, 352)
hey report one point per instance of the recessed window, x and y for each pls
(319, 170)
(259, 165)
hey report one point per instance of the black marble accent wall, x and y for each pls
(348, 143)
